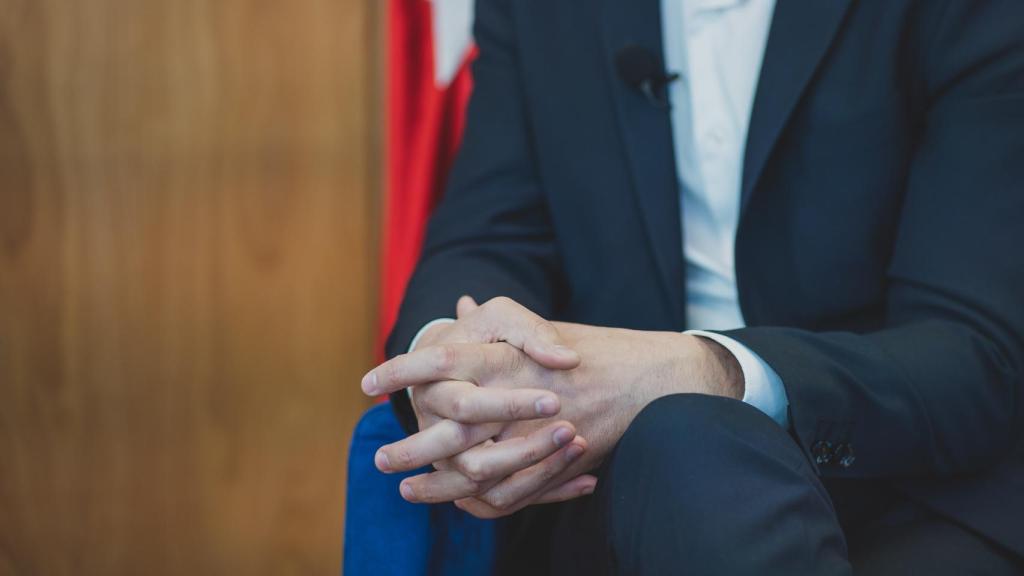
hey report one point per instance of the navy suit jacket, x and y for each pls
(879, 251)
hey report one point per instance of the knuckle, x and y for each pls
(500, 302)
(426, 410)
(548, 472)
(498, 306)
(513, 409)
(475, 470)
(445, 357)
(511, 360)
(402, 456)
(393, 371)
(459, 407)
(459, 434)
(531, 455)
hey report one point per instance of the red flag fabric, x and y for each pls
(429, 50)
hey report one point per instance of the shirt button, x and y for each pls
(822, 452)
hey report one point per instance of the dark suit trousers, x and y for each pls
(705, 485)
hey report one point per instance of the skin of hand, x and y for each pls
(459, 416)
(620, 372)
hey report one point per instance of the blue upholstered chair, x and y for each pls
(386, 535)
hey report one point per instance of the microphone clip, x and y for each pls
(639, 68)
(655, 89)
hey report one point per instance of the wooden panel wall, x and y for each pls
(186, 281)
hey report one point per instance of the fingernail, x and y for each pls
(382, 462)
(563, 436)
(573, 452)
(588, 489)
(370, 384)
(546, 406)
(407, 492)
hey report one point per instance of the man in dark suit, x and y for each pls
(829, 198)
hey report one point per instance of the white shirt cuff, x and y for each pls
(416, 339)
(763, 387)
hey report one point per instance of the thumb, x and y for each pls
(507, 320)
(547, 348)
(465, 305)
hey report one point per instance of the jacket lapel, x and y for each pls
(801, 33)
(647, 135)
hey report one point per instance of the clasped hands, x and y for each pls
(514, 410)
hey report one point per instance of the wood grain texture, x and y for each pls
(186, 281)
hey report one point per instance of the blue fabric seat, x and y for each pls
(386, 535)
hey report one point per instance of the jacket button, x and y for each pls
(822, 452)
(845, 455)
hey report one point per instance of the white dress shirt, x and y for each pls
(717, 47)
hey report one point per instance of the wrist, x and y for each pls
(720, 371)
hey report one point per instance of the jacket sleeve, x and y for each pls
(491, 235)
(938, 390)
